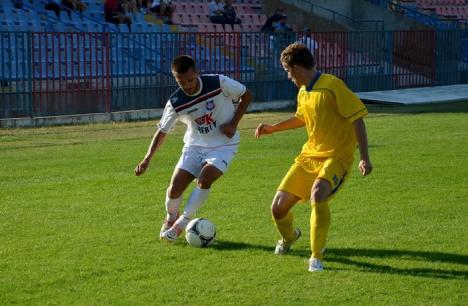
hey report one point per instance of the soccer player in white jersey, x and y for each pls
(205, 104)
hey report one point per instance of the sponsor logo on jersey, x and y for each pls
(206, 123)
(210, 105)
(205, 119)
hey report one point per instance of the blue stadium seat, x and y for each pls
(95, 7)
(63, 16)
(153, 28)
(95, 27)
(139, 28)
(4, 26)
(75, 17)
(34, 16)
(166, 28)
(22, 26)
(123, 28)
(11, 15)
(6, 4)
(139, 18)
(60, 27)
(98, 16)
(38, 26)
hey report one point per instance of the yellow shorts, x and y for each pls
(299, 182)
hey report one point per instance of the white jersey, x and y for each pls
(204, 112)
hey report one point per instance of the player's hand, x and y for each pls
(228, 129)
(141, 167)
(263, 129)
(365, 167)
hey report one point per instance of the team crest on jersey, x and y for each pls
(210, 105)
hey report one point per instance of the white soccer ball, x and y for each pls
(200, 233)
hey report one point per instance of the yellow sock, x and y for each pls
(319, 224)
(285, 227)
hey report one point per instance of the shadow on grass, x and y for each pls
(223, 245)
(357, 258)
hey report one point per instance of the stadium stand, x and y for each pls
(424, 10)
(80, 52)
(190, 17)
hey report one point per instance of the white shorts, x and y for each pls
(194, 158)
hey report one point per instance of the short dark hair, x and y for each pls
(297, 54)
(183, 63)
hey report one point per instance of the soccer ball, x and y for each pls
(200, 233)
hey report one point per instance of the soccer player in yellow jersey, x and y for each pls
(332, 116)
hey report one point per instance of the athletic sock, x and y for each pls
(319, 225)
(285, 227)
(172, 208)
(195, 201)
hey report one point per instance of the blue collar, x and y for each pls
(311, 85)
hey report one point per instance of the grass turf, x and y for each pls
(78, 228)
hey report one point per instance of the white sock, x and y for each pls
(172, 208)
(195, 201)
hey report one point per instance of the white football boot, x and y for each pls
(172, 234)
(282, 247)
(166, 225)
(315, 265)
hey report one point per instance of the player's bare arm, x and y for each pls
(365, 165)
(288, 124)
(229, 129)
(157, 141)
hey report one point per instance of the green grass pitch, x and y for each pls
(77, 227)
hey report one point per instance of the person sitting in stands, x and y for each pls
(281, 25)
(230, 13)
(54, 5)
(18, 4)
(74, 5)
(113, 13)
(129, 6)
(164, 8)
(216, 8)
(268, 26)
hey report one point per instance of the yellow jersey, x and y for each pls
(328, 108)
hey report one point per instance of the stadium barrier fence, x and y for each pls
(50, 74)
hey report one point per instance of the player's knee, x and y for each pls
(204, 183)
(319, 195)
(277, 210)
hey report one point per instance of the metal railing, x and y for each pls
(433, 21)
(43, 74)
(356, 24)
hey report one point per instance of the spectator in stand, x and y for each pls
(216, 8)
(230, 13)
(74, 5)
(281, 25)
(18, 4)
(113, 13)
(308, 41)
(144, 6)
(54, 5)
(129, 6)
(268, 26)
(164, 8)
